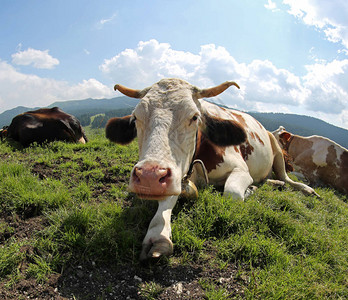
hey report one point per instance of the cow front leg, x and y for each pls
(157, 241)
(237, 184)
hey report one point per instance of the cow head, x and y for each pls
(166, 122)
(283, 137)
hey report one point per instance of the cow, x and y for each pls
(174, 127)
(45, 124)
(319, 159)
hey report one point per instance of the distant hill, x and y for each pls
(84, 109)
(7, 116)
(302, 125)
(95, 106)
(76, 107)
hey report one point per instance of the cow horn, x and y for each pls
(216, 90)
(131, 92)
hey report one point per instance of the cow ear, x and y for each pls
(68, 129)
(223, 132)
(121, 130)
(285, 136)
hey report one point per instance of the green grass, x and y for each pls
(295, 246)
(287, 246)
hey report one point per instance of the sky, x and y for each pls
(288, 56)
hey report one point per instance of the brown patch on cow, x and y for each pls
(223, 132)
(252, 136)
(297, 145)
(256, 137)
(236, 149)
(259, 139)
(328, 174)
(209, 153)
(240, 119)
(302, 153)
(331, 157)
(288, 160)
(335, 173)
(246, 149)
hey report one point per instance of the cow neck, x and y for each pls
(193, 162)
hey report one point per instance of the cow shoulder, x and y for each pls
(208, 152)
(121, 130)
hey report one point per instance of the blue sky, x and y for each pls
(288, 56)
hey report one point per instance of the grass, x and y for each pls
(287, 246)
(295, 246)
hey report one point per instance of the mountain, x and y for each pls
(95, 106)
(7, 116)
(75, 107)
(297, 124)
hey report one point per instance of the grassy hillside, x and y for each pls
(70, 229)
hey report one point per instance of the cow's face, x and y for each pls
(166, 122)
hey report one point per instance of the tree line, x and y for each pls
(100, 120)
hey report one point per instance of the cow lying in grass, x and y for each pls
(45, 124)
(319, 159)
(174, 127)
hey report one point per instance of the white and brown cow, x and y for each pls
(174, 126)
(319, 159)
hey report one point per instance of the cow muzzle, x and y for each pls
(153, 182)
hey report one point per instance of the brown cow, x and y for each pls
(45, 124)
(319, 159)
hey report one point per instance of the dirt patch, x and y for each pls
(164, 282)
(18, 228)
(30, 289)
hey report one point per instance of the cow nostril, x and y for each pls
(137, 172)
(164, 178)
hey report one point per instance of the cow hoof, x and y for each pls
(161, 247)
(249, 191)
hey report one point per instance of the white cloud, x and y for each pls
(102, 22)
(18, 89)
(271, 6)
(263, 86)
(39, 59)
(328, 16)
(328, 83)
(150, 61)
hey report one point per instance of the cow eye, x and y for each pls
(194, 118)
